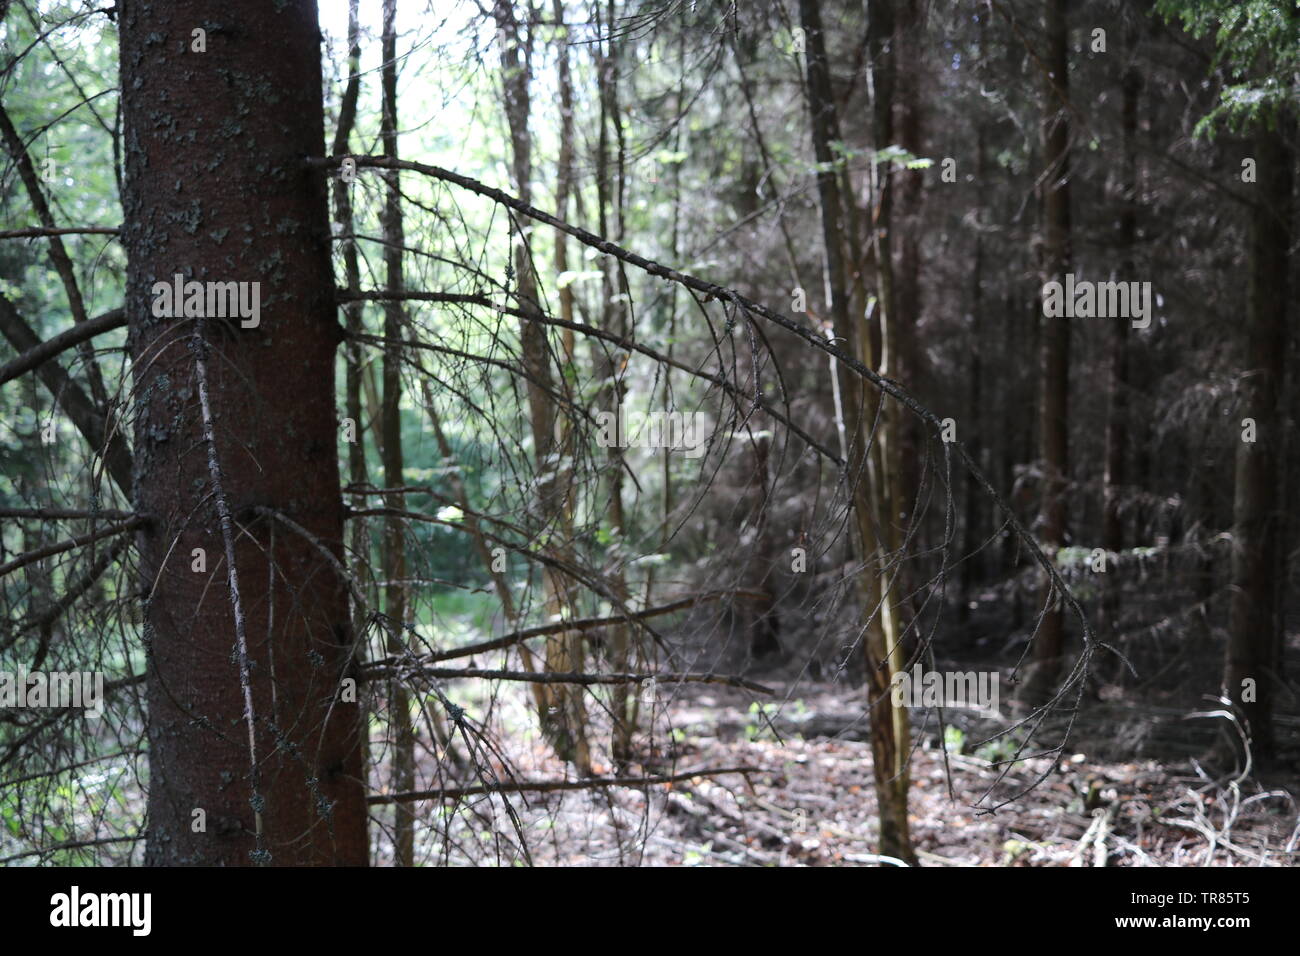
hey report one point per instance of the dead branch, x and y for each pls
(551, 786)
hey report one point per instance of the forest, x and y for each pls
(649, 433)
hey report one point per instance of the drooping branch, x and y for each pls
(712, 291)
(566, 567)
(71, 594)
(753, 401)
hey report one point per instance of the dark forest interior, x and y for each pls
(649, 433)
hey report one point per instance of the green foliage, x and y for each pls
(1256, 42)
(1002, 748)
(953, 739)
(760, 717)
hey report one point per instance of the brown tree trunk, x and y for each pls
(1254, 644)
(1049, 644)
(972, 529)
(562, 710)
(1116, 441)
(908, 47)
(394, 553)
(888, 723)
(609, 197)
(217, 190)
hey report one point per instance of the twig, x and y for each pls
(232, 575)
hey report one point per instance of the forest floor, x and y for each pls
(810, 801)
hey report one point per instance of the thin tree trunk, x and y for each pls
(359, 544)
(1116, 441)
(394, 556)
(889, 758)
(1049, 644)
(563, 715)
(613, 318)
(1253, 655)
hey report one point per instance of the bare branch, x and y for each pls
(30, 557)
(551, 786)
(51, 347)
(397, 669)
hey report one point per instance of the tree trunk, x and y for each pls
(888, 723)
(394, 554)
(1049, 644)
(1254, 645)
(562, 710)
(1116, 441)
(217, 190)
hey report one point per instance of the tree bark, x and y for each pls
(1049, 644)
(562, 711)
(394, 555)
(1254, 632)
(888, 723)
(216, 190)
(1116, 440)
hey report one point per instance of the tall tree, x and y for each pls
(236, 430)
(562, 712)
(889, 735)
(1254, 655)
(1255, 42)
(394, 552)
(1054, 391)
